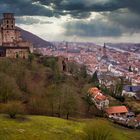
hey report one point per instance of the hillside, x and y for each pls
(47, 128)
(38, 87)
(37, 41)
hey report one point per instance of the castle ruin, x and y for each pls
(11, 43)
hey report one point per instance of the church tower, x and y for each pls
(104, 51)
(8, 28)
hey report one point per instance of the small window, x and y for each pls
(7, 21)
(7, 26)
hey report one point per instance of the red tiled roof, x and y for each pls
(94, 89)
(116, 109)
(101, 97)
(95, 92)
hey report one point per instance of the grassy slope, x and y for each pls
(47, 128)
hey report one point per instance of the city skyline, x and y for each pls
(96, 21)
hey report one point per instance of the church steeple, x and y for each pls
(104, 50)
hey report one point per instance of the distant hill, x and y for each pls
(37, 41)
(130, 47)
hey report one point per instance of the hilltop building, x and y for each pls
(100, 100)
(11, 43)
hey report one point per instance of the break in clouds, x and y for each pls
(112, 18)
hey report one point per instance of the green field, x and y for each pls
(48, 128)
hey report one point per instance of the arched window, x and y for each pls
(17, 55)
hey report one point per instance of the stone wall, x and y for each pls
(63, 64)
(0, 38)
(8, 36)
(17, 53)
(18, 35)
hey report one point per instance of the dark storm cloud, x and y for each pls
(24, 7)
(31, 20)
(79, 6)
(62, 7)
(93, 28)
(130, 21)
(113, 24)
(120, 16)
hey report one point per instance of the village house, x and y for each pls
(119, 111)
(100, 100)
(138, 120)
(134, 122)
(11, 43)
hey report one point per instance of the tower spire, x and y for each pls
(104, 50)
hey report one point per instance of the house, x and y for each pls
(138, 120)
(119, 111)
(134, 122)
(100, 100)
(131, 91)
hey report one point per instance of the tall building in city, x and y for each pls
(104, 55)
(11, 43)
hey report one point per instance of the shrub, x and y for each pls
(37, 106)
(97, 131)
(8, 88)
(31, 57)
(13, 108)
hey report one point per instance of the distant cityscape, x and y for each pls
(118, 59)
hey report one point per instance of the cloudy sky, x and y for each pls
(78, 20)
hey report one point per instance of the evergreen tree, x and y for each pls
(31, 57)
(95, 79)
(83, 71)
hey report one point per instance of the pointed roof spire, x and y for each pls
(104, 45)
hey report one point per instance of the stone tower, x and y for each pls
(8, 28)
(63, 64)
(12, 44)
